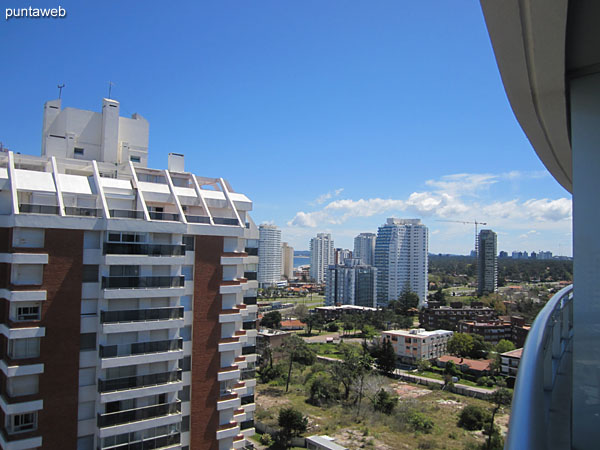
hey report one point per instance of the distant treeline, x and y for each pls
(452, 269)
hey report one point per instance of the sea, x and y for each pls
(301, 261)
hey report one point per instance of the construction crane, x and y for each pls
(468, 223)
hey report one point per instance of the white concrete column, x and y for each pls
(585, 137)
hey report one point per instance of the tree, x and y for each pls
(292, 423)
(472, 418)
(312, 321)
(480, 347)
(271, 319)
(460, 344)
(386, 359)
(323, 390)
(423, 365)
(504, 346)
(501, 397)
(440, 297)
(385, 402)
(368, 332)
(301, 312)
(297, 351)
(347, 370)
(408, 299)
(364, 366)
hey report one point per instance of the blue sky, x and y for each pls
(330, 115)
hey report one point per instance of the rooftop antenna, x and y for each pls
(110, 85)
(60, 88)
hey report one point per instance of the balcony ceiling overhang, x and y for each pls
(539, 45)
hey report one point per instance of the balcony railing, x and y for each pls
(142, 315)
(197, 219)
(126, 214)
(135, 415)
(78, 211)
(250, 275)
(37, 209)
(131, 248)
(541, 408)
(249, 300)
(121, 384)
(251, 251)
(155, 215)
(140, 348)
(147, 444)
(142, 282)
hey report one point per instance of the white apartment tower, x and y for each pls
(401, 259)
(269, 255)
(321, 256)
(130, 316)
(364, 248)
(487, 262)
(287, 261)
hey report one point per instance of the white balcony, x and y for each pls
(23, 296)
(230, 344)
(228, 430)
(228, 403)
(24, 258)
(229, 374)
(20, 370)
(230, 315)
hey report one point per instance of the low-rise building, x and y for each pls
(293, 324)
(447, 317)
(509, 362)
(477, 367)
(413, 345)
(329, 313)
(492, 331)
(323, 443)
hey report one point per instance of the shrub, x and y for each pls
(420, 422)
(323, 390)
(482, 381)
(266, 439)
(333, 327)
(473, 418)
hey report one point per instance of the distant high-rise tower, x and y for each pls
(340, 255)
(351, 284)
(364, 248)
(487, 263)
(401, 259)
(321, 256)
(287, 260)
(269, 255)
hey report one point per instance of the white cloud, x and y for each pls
(452, 197)
(324, 197)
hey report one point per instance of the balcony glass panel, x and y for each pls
(37, 209)
(225, 221)
(246, 424)
(247, 399)
(77, 211)
(147, 444)
(121, 384)
(140, 348)
(142, 315)
(197, 219)
(126, 214)
(249, 300)
(250, 275)
(248, 374)
(155, 215)
(251, 251)
(249, 326)
(135, 415)
(142, 282)
(136, 248)
(249, 350)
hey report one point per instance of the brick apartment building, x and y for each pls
(435, 317)
(127, 314)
